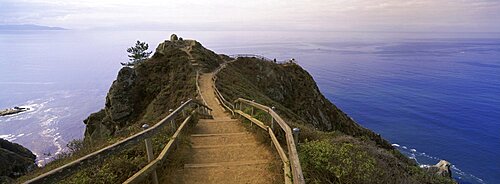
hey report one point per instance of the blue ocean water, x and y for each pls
(434, 95)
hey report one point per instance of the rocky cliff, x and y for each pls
(334, 148)
(15, 160)
(294, 90)
(145, 93)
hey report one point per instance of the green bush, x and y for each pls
(324, 162)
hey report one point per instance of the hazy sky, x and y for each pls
(320, 15)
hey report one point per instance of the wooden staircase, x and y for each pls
(223, 151)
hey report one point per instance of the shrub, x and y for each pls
(324, 162)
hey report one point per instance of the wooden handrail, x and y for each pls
(68, 169)
(236, 56)
(250, 55)
(148, 169)
(198, 89)
(298, 177)
(226, 104)
(279, 149)
(293, 159)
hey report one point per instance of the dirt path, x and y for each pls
(208, 93)
(224, 151)
(188, 50)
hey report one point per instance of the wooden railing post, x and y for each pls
(272, 124)
(272, 119)
(183, 111)
(149, 152)
(252, 108)
(296, 132)
(172, 122)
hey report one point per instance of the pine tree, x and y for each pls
(138, 53)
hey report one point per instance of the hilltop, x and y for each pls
(146, 92)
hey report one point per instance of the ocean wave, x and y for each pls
(431, 160)
(47, 114)
(35, 106)
(8, 137)
(49, 124)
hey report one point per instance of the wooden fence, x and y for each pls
(291, 164)
(292, 161)
(61, 172)
(263, 58)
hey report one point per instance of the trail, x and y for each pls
(224, 151)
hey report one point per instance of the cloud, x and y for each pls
(388, 15)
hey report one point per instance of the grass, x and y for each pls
(162, 83)
(115, 168)
(333, 148)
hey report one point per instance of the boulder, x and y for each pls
(442, 168)
(173, 37)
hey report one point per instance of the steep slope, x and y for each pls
(290, 87)
(146, 92)
(139, 95)
(334, 148)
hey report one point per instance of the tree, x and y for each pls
(138, 53)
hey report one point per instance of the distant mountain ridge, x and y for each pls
(21, 27)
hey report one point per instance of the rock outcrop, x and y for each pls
(15, 160)
(292, 88)
(119, 105)
(335, 141)
(207, 59)
(173, 37)
(145, 93)
(442, 168)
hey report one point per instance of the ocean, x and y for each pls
(433, 95)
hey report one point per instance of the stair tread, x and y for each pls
(223, 145)
(231, 154)
(227, 164)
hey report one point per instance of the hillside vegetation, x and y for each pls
(334, 148)
(15, 160)
(140, 95)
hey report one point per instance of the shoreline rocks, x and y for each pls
(14, 110)
(15, 160)
(442, 168)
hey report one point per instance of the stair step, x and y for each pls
(218, 120)
(222, 146)
(221, 139)
(219, 134)
(218, 126)
(227, 164)
(247, 174)
(231, 154)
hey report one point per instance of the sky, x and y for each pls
(310, 15)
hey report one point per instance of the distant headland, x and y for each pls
(28, 27)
